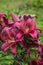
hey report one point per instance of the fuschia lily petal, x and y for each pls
(33, 33)
(6, 45)
(2, 15)
(14, 49)
(31, 24)
(17, 24)
(19, 35)
(14, 17)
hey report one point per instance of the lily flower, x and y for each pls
(28, 33)
(36, 62)
(9, 39)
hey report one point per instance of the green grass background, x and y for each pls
(20, 7)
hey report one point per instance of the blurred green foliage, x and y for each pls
(20, 7)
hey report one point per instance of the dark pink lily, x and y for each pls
(9, 39)
(33, 62)
(36, 62)
(27, 29)
(8, 35)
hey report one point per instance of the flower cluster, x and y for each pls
(22, 30)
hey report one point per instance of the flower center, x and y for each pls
(11, 41)
(1, 19)
(27, 30)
